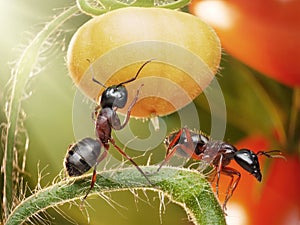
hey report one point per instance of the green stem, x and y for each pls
(21, 75)
(175, 4)
(88, 9)
(108, 5)
(187, 188)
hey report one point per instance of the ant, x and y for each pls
(85, 154)
(216, 153)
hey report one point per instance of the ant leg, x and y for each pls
(95, 113)
(232, 185)
(175, 139)
(219, 169)
(130, 159)
(173, 151)
(212, 178)
(94, 176)
(129, 109)
(167, 158)
(189, 149)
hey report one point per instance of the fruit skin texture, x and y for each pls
(264, 35)
(120, 27)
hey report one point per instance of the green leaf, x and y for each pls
(187, 188)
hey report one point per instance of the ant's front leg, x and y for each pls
(219, 170)
(96, 112)
(171, 149)
(114, 118)
(233, 183)
(129, 109)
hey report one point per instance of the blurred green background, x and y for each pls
(251, 99)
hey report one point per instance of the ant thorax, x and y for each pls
(211, 151)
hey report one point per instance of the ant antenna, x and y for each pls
(98, 82)
(138, 72)
(93, 72)
(270, 154)
(125, 82)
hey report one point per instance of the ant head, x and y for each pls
(248, 160)
(114, 96)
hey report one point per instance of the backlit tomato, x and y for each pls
(185, 51)
(265, 35)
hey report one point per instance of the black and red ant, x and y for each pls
(85, 154)
(216, 153)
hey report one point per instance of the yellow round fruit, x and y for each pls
(185, 55)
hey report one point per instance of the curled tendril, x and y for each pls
(98, 7)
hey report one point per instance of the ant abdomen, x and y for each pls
(81, 156)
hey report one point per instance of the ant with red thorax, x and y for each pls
(216, 153)
(85, 154)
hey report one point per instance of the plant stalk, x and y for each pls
(189, 189)
(22, 73)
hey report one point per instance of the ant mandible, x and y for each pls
(85, 154)
(216, 153)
